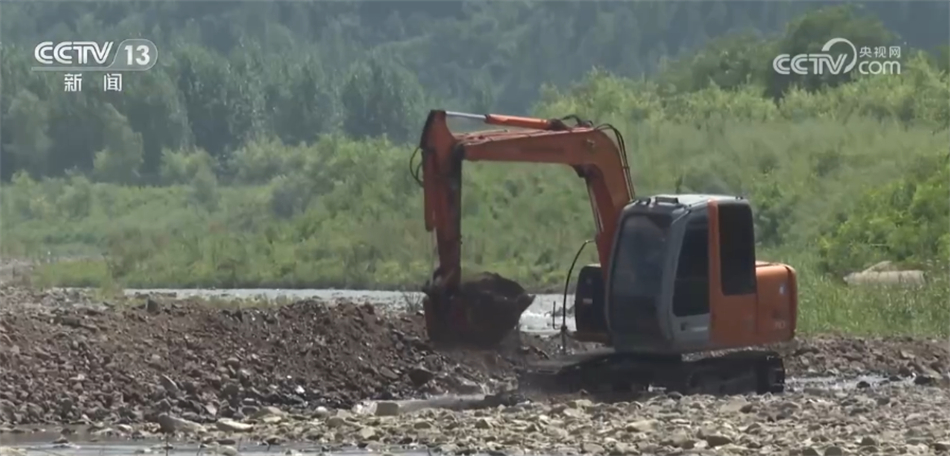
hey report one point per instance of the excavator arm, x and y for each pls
(593, 155)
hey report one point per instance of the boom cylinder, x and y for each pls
(509, 121)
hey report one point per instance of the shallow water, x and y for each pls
(842, 383)
(84, 443)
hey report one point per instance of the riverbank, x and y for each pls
(240, 373)
(825, 304)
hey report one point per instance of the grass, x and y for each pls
(874, 310)
(78, 273)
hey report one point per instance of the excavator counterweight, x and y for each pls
(677, 276)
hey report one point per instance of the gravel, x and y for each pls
(890, 419)
(234, 378)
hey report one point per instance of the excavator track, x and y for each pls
(605, 371)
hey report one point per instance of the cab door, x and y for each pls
(732, 283)
(690, 303)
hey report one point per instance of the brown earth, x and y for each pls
(835, 355)
(494, 306)
(64, 362)
(65, 357)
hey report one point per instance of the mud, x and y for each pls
(68, 357)
(485, 310)
(494, 303)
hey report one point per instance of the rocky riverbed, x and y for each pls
(70, 357)
(233, 375)
(883, 420)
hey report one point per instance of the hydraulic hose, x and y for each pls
(567, 283)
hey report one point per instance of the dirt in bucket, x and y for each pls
(493, 305)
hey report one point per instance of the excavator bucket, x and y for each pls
(484, 309)
(481, 312)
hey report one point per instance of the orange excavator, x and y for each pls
(678, 299)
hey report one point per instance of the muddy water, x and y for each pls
(841, 383)
(536, 319)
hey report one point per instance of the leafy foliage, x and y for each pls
(232, 73)
(905, 221)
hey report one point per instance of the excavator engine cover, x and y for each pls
(482, 312)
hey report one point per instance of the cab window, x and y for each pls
(691, 290)
(640, 255)
(737, 249)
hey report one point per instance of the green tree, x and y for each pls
(810, 32)
(904, 221)
(121, 157)
(382, 98)
(28, 119)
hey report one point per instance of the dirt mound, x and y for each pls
(64, 357)
(848, 355)
(63, 363)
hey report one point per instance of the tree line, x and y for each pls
(233, 73)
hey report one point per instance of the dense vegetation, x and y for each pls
(270, 146)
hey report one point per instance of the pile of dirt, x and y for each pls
(832, 355)
(68, 358)
(64, 363)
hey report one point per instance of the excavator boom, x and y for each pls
(589, 150)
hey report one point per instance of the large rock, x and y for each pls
(172, 424)
(228, 425)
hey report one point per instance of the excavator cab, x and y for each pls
(683, 278)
